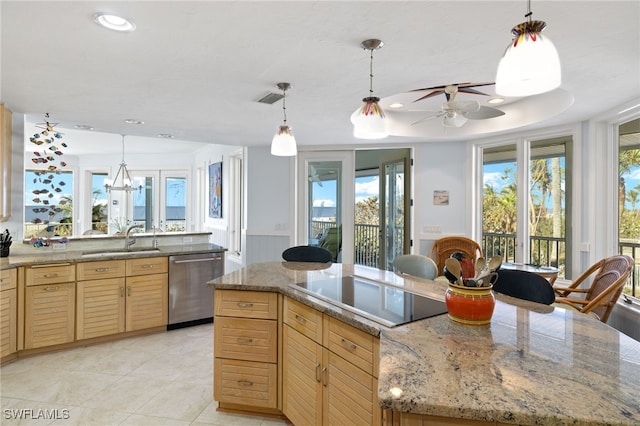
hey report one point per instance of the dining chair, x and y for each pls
(609, 277)
(307, 254)
(416, 265)
(443, 248)
(524, 285)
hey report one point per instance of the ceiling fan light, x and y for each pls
(283, 143)
(530, 64)
(453, 120)
(370, 122)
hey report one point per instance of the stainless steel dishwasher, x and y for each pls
(190, 300)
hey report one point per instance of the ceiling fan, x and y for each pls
(456, 113)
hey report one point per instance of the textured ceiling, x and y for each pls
(197, 69)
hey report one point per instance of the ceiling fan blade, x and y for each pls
(429, 117)
(484, 113)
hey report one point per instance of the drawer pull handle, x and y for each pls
(121, 291)
(129, 291)
(325, 381)
(300, 319)
(147, 266)
(245, 305)
(244, 340)
(318, 376)
(347, 344)
(51, 288)
(102, 269)
(50, 275)
(244, 383)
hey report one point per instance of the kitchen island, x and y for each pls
(533, 364)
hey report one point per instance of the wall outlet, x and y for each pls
(432, 229)
(187, 239)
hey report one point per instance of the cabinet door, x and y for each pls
(302, 375)
(100, 309)
(350, 394)
(8, 322)
(49, 314)
(147, 301)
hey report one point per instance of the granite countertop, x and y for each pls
(533, 365)
(44, 255)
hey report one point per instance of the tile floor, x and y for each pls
(162, 379)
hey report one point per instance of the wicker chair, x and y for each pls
(444, 247)
(611, 275)
(415, 265)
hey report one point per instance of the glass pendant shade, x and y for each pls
(370, 123)
(283, 143)
(530, 64)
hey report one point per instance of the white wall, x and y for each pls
(440, 166)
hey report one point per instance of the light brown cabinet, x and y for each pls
(147, 293)
(49, 305)
(329, 370)
(8, 313)
(246, 350)
(100, 298)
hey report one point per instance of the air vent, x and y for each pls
(270, 98)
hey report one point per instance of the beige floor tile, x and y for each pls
(128, 394)
(180, 401)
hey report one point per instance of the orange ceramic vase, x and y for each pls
(470, 305)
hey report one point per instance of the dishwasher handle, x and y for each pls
(209, 259)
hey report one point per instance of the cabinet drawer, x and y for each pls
(246, 304)
(360, 348)
(245, 382)
(101, 269)
(50, 274)
(147, 265)
(303, 319)
(8, 279)
(246, 339)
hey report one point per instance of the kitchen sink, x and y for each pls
(116, 252)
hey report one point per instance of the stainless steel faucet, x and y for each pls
(130, 240)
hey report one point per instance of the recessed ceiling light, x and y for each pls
(496, 101)
(165, 135)
(83, 127)
(113, 22)
(396, 105)
(133, 121)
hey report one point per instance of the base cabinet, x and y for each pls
(329, 370)
(8, 312)
(50, 301)
(101, 299)
(246, 350)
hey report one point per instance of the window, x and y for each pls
(163, 206)
(99, 204)
(48, 209)
(629, 199)
(524, 209)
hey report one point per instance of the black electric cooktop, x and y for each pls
(389, 306)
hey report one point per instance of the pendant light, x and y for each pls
(283, 143)
(125, 183)
(370, 122)
(530, 64)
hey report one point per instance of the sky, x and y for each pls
(326, 194)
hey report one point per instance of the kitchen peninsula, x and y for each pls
(533, 364)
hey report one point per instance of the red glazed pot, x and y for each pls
(470, 305)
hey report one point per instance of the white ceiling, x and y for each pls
(197, 69)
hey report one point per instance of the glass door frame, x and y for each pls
(523, 143)
(347, 195)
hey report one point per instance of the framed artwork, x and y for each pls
(215, 190)
(440, 198)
